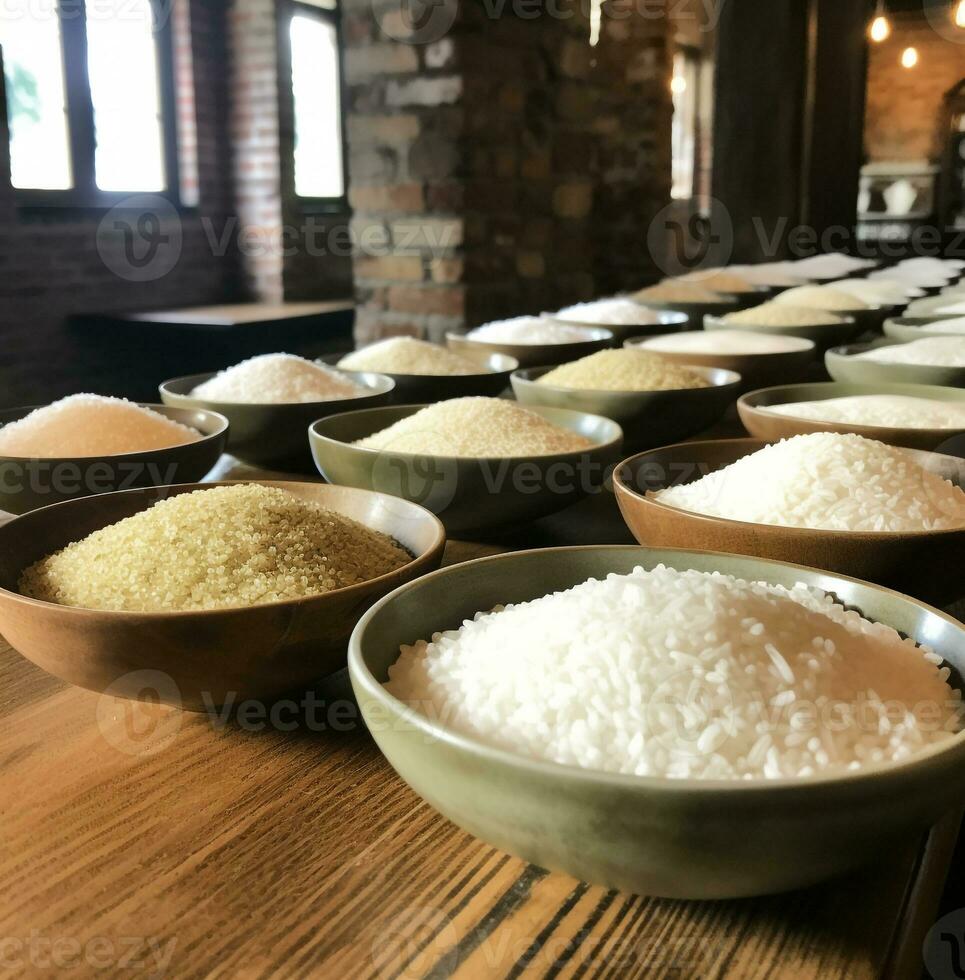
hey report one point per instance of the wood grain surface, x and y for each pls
(137, 838)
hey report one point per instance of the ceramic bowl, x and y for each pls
(492, 379)
(648, 418)
(28, 483)
(651, 323)
(844, 365)
(755, 370)
(530, 355)
(681, 838)
(467, 494)
(273, 436)
(906, 328)
(822, 335)
(197, 660)
(928, 307)
(762, 424)
(696, 312)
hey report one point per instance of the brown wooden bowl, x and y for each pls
(202, 657)
(917, 563)
(762, 424)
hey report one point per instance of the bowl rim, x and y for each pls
(428, 378)
(599, 335)
(360, 673)
(641, 343)
(207, 375)
(846, 352)
(438, 543)
(620, 485)
(665, 318)
(616, 441)
(221, 421)
(732, 379)
(844, 320)
(879, 432)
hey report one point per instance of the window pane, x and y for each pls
(33, 65)
(318, 128)
(122, 62)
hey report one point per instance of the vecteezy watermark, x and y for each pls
(69, 478)
(415, 21)
(945, 20)
(138, 714)
(147, 955)
(685, 242)
(140, 239)
(943, 951)
(410, 944)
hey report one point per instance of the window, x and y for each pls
(88, 90)
(684, 131)
(319, 164)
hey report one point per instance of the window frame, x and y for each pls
(81, 136)
(314, 205)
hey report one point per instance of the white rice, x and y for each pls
(878, 292)
(956, 307)
(829, 266)
(684, 675)
(825, 298)
(725, 342)
(893, 411)
(930, 351)
(828, 480)
(529, 330)
(953, 325)
(613, 309)
(271, 379)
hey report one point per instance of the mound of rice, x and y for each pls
(211, 549)
(774, 314)
(92, 425)
(956, 325)
(613, 309)
(829, 265)
(623, 370)
(878, 292)
(476, 427)
(820, 298)
(895, 411)
(529, 330)
(725, 342)
(718, 280)
(768, 274)
(957, 307)
(277, 379)
(678, 291)
(932, 351)
(406, 355)
(827, 480)
(686, 675)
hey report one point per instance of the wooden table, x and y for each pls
(135, 833)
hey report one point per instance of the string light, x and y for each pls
(881, 27)
(678, 84)
(909, 57)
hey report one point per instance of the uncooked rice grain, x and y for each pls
(406, 355)
(782, 315)
(820, 298)
(613, 309)
(930, 351)
(623, 370)
(725, 342)
(530, 330)
(678, 291)
(894, 411)
(275, 379)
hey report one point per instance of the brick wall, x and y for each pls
(903, 103)
(506, 167)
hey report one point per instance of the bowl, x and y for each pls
(467, 494)
(492, 380)
(927, 308)
(27, 483)
(755, 369)
(844, 365)
(680, 838)
(695, 312)
(752, 409)
(906, 328)
(648, 418)
(823, 335)
(531, 355)
(651, 323)
(273, 436)
(197, 660)
(913, 562)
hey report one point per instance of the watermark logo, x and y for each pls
(948, 21)
(140, 238)
(412, 943)
(685, 242)
(145, 725)
(943, 951)
(430, 481)
(415, 21)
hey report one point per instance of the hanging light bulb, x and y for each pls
(909, 57)
(960, 14)
(881, 27)
(678, 84)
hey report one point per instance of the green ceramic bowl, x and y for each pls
(650, 324)
(907, 328)
(492, 380)
(530, 355)
(763, 424)
(843, 365)
(823, 335)
(467, 494)
(648, 418)
(679, 838)
(273, 436)
(27, 483)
